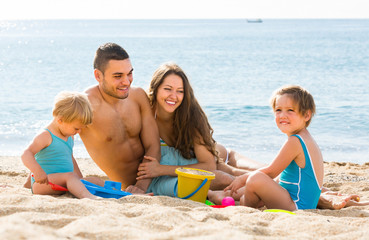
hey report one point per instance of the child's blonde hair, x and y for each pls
(72, 106)
(300, 96)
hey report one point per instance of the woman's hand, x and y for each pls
(237, 183)
(149, 169)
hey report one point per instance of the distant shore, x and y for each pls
(28, 216)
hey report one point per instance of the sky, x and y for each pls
(181, 9)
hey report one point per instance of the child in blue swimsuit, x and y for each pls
(50, 154)
(299, 162)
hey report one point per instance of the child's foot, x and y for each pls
(356, 203)
(27, 183)
(336, 201)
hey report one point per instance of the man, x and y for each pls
(123, 129)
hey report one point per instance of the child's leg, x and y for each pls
(336, 201)
(260, 187)
(45, 189)
(69, 180)
(76, 187)
(356, 203)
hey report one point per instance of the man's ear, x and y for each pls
(98, 75)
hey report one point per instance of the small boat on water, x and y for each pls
(256, 20)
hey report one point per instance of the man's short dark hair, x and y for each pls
(107, 52)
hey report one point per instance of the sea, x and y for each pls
(233, 66)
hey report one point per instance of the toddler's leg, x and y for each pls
(76, 187)
(45, 189)
(69, 180)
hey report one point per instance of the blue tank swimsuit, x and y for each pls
(57, 157)
(301, 183)
(164, 185)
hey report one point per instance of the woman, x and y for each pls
(185, 134)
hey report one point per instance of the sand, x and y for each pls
(27, 216)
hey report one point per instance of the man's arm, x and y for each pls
(149, 134)
(76, 170)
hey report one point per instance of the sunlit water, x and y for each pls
(234, 66)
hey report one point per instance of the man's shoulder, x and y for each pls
(137, 91)
(92, 90)
(93, 94)
(138, 94)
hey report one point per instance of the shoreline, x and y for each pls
(28, 216)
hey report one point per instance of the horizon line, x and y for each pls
(251, 18)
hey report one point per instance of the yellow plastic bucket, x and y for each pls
(193, 184)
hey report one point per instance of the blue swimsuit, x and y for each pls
(57, 157)
(301, 183)
(164, 185)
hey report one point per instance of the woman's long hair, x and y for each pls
(190, 123)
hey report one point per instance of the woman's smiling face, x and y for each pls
(170, 93)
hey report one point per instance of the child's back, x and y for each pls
(303, 179)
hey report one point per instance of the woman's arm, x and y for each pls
(206, 160)
(153, 168)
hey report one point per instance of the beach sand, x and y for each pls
(27, 216)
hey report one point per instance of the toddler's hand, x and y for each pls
(41, 178)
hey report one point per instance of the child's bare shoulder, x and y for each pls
(293, 140)
(43, 137)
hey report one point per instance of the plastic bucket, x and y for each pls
(193, 184)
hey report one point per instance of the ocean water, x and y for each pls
(234, 67)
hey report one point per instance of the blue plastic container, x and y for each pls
(111, 189)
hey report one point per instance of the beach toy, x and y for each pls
(207, 202)
(193, 184)
(218, 206)
(57, 187)
(279, 210)
(111, 189)
(228, 201)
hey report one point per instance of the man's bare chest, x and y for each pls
(118, 125)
